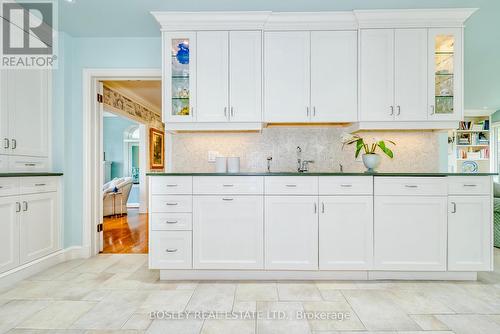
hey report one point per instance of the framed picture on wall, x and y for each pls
(156, 149)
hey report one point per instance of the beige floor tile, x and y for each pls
(175, 327)
(55, 273)
(97, 264)
(298, 292)
(16, 311)
(139, 321)
(166, 301)
(336, 285)
(121, 281)
(228, 327)
(244, 306)
(128, 264)
(470, 324)
(429, 322)
(213, 297)
(377, 311)
(332, 295)
(340, 316)
(287, 312)
(32, 290)
(57, 315)
(256, 292)
(45, 331)
(114, 331)
(415, 302)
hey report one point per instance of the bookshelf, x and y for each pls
(470, 145)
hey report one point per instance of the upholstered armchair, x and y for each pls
(123, 186)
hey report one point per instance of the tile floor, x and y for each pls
(116, 293)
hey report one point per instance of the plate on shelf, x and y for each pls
(470, 167)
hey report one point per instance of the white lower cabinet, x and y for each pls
(410, 233)
(9, 238)
(39, 228)
(228, 232)
(469, 233)
(170, 250)
(291, 232)
(346, 232)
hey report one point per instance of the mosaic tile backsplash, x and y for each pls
(416, 151)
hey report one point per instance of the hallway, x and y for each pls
(127, 234)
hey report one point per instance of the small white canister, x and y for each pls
(221, 165)
(233, 164)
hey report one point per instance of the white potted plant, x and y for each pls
(371, 159)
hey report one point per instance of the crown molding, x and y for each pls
(413, 18)
(175, 21)
(311, 21)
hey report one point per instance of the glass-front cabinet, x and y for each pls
(179, 76)
(445, 74)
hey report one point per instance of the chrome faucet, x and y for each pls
(302, 165)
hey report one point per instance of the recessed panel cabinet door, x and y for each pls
(28, 106)
(291, 232)
(334, 76)
(469, 233)
(346, 233)
(228, 232)
(411, 74)
(212, 76)
(39, 226)
(9, 237)
(286, 76)
(245, 76)
(410, 233)
(377, 75)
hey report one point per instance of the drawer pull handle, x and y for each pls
(228, 199)
(228, 185)
(346, 185)
(171, 221)
(291, 185)
(171, 185)
(40, 184)
(171, 250)
(411, 186)
(470, 185)
(454, 207)
(172, 204)
(30, 165)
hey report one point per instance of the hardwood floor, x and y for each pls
(127, 234)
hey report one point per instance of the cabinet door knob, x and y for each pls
(18, 207)
(25, 206)
(14, 144)
(392, 110)
(6, 143)
(399, 110)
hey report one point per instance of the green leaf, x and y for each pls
(385, 149)
(359, 146)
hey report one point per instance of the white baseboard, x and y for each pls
(24, 271)
(362, 275)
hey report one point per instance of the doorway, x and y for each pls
(120, 94)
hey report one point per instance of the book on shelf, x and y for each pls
(475, 126)
(483, 153)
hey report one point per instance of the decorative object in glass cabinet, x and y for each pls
(180, 77)
(444, 73)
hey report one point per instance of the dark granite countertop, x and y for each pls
(413, 174)
(29, 174)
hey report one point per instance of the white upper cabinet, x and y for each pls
(245, 76)
(445, 88)
(179, 76)
(27, 104)
(4, 115)
(377, 75)
(287, 76)
(212, 67)
(334, 76)
(410, 70)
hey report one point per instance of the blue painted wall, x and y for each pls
(482, 66)
(113, 129)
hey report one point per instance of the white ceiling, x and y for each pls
(146, 92)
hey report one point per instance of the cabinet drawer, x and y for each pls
(165, 185)
(291, 185)
(170, 250)
(34, 185)
(469, 185)
(412, 186)
(171, 203)
(237, 185)
(171, 221)
(9, 186)
(28, 164)
(345, 185)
